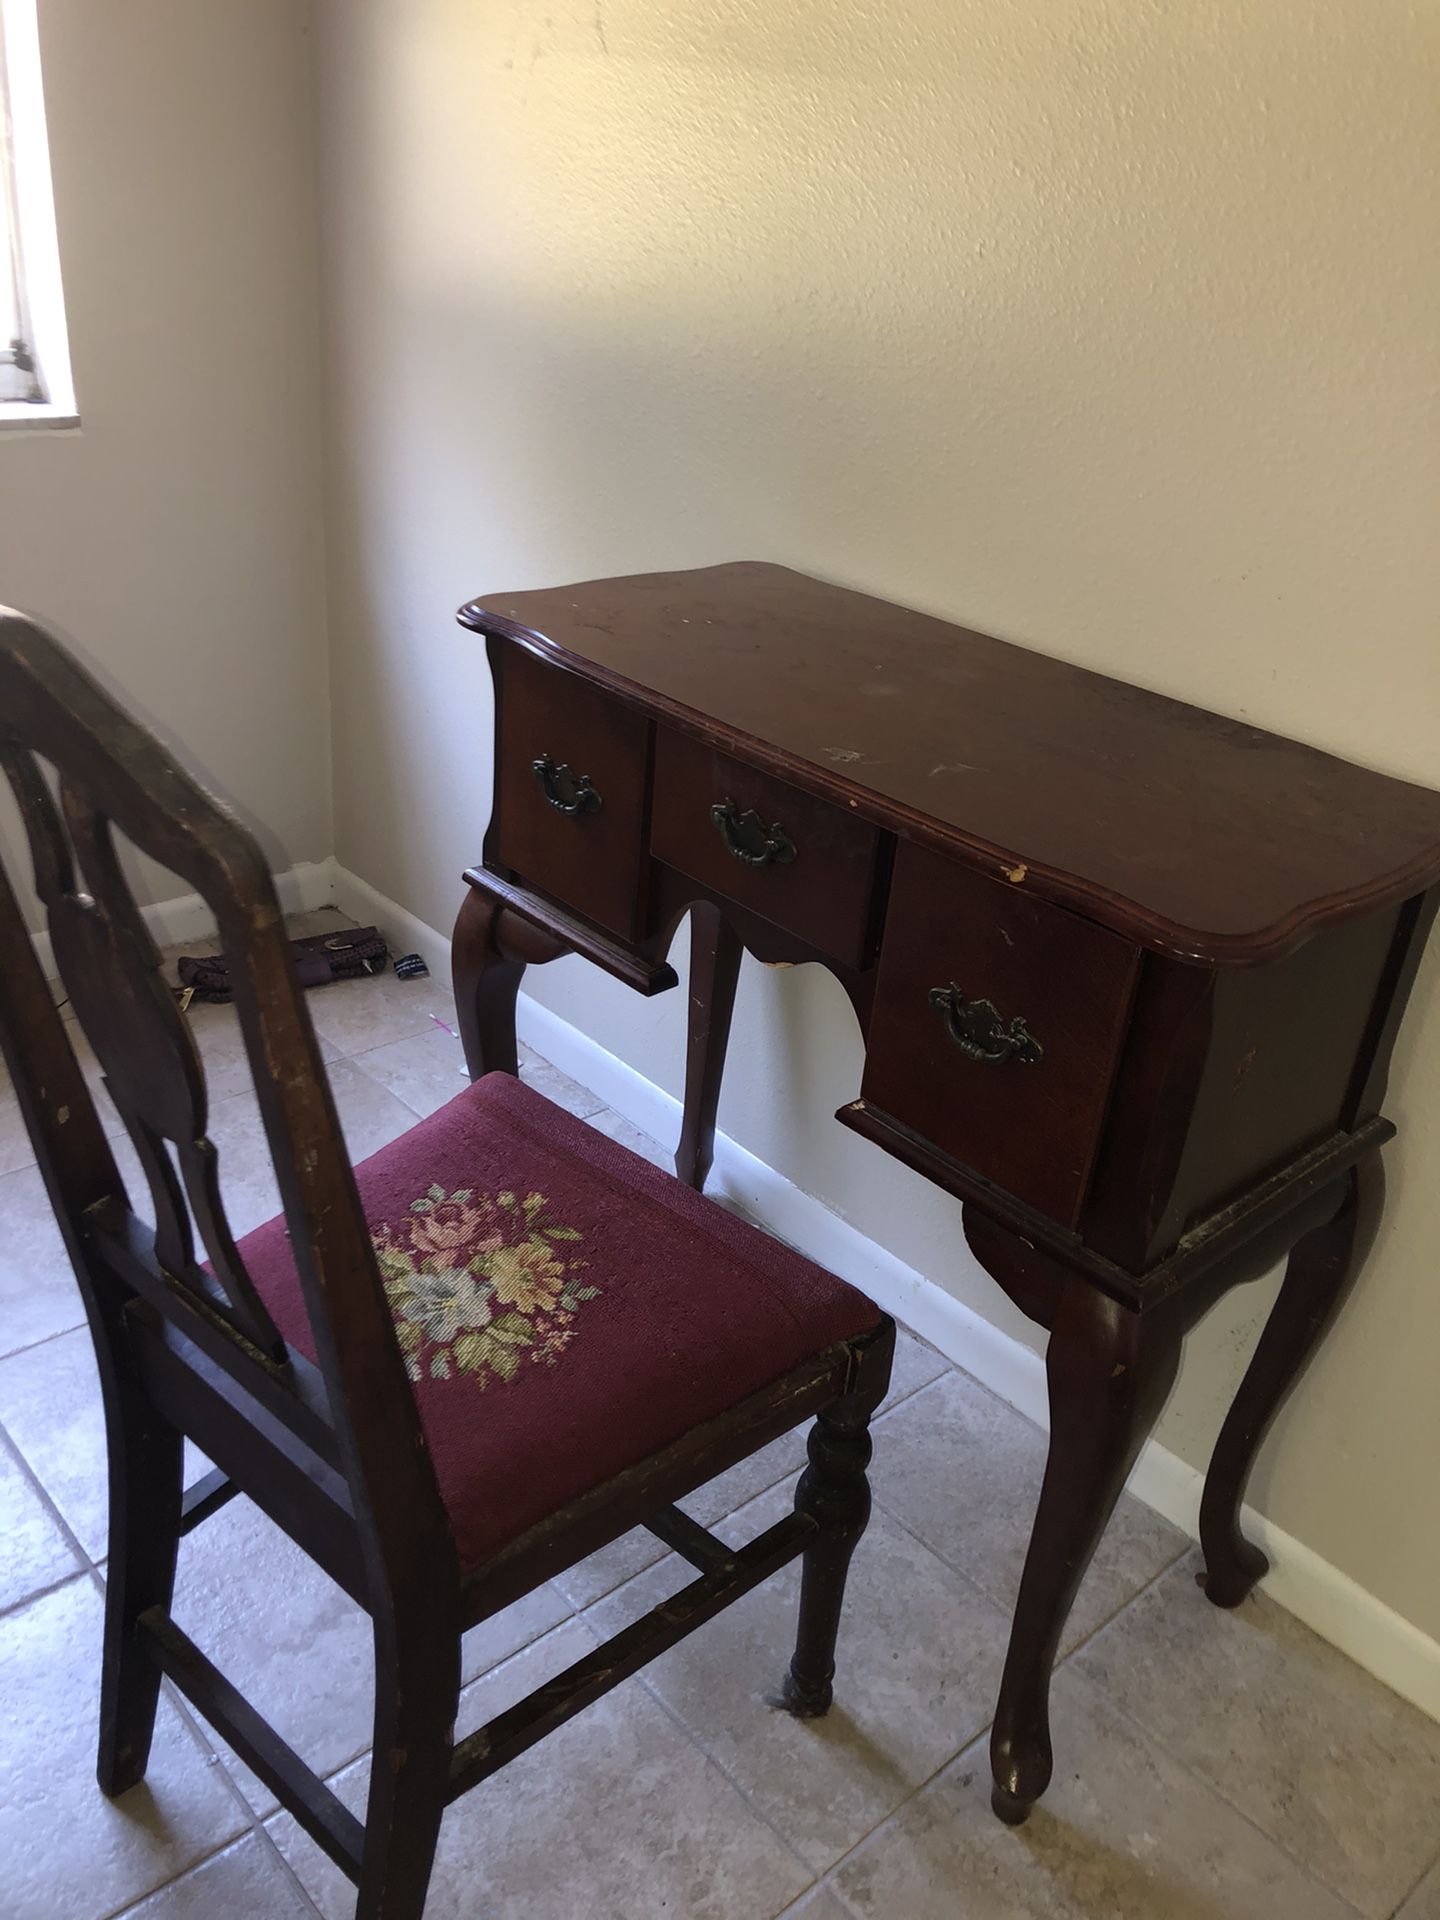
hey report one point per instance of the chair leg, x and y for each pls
(146, 1489)
(417, 1688)
(834, 1490)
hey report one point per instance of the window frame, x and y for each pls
(41, 362)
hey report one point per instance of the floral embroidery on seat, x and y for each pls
(480, 1284)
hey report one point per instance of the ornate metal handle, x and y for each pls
(567, 791)
(980, 1033)
(749, 839)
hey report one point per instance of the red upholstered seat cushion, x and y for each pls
(565, 1308)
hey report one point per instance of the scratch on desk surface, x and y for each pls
(953, 766)
(843, 754)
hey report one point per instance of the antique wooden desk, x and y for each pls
(1128, 973)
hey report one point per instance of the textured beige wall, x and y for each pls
(177, 536)
(1111, 329)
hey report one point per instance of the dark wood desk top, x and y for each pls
(1195, 834)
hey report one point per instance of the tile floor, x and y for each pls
(1208, 1764)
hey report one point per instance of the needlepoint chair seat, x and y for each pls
(565, 1309)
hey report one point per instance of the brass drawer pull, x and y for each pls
(749, 839)
(978, 1030)
(568, 792)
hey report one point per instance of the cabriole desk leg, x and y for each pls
(1109, 1372)
(490, 950)
(1319, 1274)
(714, 969)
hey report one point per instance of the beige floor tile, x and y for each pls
(370, 1115)
(298, 1648)
(600, 1573)
(50, 1402)
(15, 1148)
(37, 1290)
(1424, 1902)
(1125, 1833)
(216, 1030)
(557, 1086)
(916, 1365)
(963, 1471)
(493, 1693)
(67, 1850)
(247, 1182)
(617, 1128)
(246, 1882)
(50, 1405)
(357, 1015)
(370, 1118)
(781, 1462)
(819, 1904)
(38, 1294)
(918, 1663)
(248, 1191)
(616, 1816)
(1330, 1763)
(782, 1459)
(426, 1071)
(34, 1554)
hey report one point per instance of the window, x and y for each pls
(35, 385)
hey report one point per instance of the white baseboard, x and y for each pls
(403, 932)
(1327, 1600)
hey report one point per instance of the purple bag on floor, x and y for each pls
(347, 954)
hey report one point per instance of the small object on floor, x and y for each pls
(319, 958)
(411, 967)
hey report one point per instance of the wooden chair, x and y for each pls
(448, 1374)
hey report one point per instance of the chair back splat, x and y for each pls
(344, 1433)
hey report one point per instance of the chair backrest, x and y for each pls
(81, 767)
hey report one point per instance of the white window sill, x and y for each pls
(29, 416)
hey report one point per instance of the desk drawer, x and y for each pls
(575, 827)
(997, 1027)
(798, 861)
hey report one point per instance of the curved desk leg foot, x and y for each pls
(490, 949)
(1320, 1272)
(714, 969)
(1008, 1807)
(1109, 1372)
